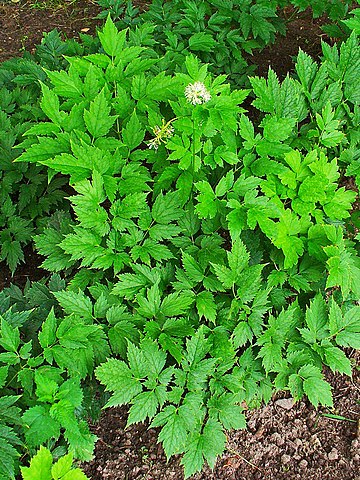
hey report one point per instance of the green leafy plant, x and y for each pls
(220, 33)
(27, 193)
(46, 366)
(335, 9)
(353, 22)
(42, 465)
(203, 246)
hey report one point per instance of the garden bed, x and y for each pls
(283, 441)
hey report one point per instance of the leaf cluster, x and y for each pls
(45, 364)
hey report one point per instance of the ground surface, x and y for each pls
(283, 441)
(22, 24)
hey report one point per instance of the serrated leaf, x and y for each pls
(316, 317)
(10, 337)
(75, 303)
(206, 206)
(173, 435)
(242, 334)
(306, 69)
(238, 257)
(166, 208)
(197, 347)
(192, 268)
(143, 406)
(8, 454)
(155, 357)
(315, 387)
(226, 276)
(98, 120)
(51, 106)
(62, 466)
(208, 445)
(176, 304)
(40, 466)
(47, 335)
(3, 375)
(247, 132)
(75, 474)
(193, 459)
(206, 306)
(278, 129)
(201, 41)
(111, 39)
(271, 355)
(133, 133)
(337, 360)
(117, 377)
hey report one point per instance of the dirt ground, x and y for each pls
(283, 441)
(22, 24)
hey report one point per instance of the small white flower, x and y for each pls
(161, 134)
(154, 143)
(196, 93)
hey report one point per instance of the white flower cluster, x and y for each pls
(196, 93)
(161, 134)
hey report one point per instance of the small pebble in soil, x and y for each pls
(285, 459)
(333, 455)
(297, 442)
(303, 464)
(285, 403)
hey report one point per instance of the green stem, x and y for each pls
(192, 166)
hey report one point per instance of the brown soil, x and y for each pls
(22, 24)
(283, 442)
(302, 32)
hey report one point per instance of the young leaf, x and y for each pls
(40, 466)
(111, 39)
(315, 387)
(173, 435)
(97, 118)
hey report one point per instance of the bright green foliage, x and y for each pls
(353, 23)
(28, 192)
(46, 361)
(42, 468)
(202, 245)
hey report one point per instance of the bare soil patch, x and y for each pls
(22, 24)
(283, 442)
